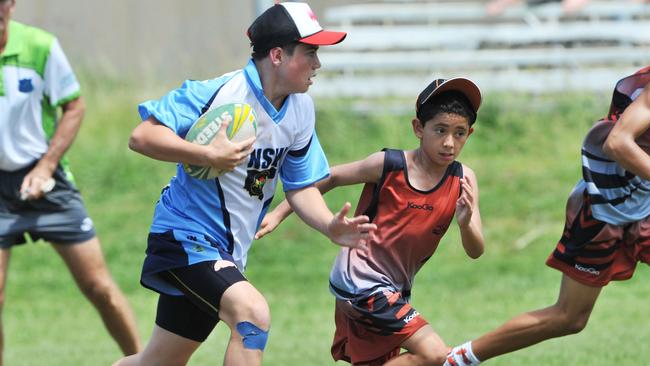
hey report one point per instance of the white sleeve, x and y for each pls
(61, 84)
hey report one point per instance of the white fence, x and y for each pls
(395, 48)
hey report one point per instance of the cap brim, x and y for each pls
(324, 38)
(626, 89)
(463, 85)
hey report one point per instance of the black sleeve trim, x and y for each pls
(303, 151)
(209, 103)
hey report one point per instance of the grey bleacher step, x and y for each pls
(475, 12)
(482, 59)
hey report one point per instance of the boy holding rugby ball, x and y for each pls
(203, 228)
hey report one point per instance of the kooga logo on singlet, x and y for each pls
(425, 206)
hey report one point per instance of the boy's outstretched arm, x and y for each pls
(360, 171)
(621, 143)
(352, 232)
(468, 215)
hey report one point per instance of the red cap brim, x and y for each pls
(324, 38)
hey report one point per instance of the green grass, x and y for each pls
(525, 152)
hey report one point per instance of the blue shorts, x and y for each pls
(58, 217)
(177, 249)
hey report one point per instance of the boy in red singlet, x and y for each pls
(412, 196)
(607, 229)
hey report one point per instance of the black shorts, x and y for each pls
(196, 313)
(58, 217)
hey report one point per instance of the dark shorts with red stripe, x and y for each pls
(594, 252)
(371, 330)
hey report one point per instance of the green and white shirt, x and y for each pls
(36, 79)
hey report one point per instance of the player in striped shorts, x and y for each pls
(607, 230)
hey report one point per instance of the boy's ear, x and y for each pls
(417, 127)
(470, 132)
(275, 54)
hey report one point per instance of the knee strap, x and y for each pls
(252, 336)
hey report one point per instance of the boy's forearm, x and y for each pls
(283, 210)
(634, 159)
(159, 142)
(621, 143)
(472, 239)
(66, 131)
(309, 205)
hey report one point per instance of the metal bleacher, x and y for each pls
(394, 47)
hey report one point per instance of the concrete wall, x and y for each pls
(155, 40)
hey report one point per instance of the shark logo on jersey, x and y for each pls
(255, 181)
(262, 166)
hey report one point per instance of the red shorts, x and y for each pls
(371, 330)
(593, 252)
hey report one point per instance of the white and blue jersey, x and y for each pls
(210, 217)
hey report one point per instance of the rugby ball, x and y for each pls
(242, 125)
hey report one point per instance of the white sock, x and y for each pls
(462, 355)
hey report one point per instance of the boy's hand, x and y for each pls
(465, 203)
(269, 223)
(36, 183)
(350, 232)
(226, 155)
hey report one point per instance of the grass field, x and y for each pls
(525, 152)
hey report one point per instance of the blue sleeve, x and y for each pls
(304, 167)
(179, 108)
